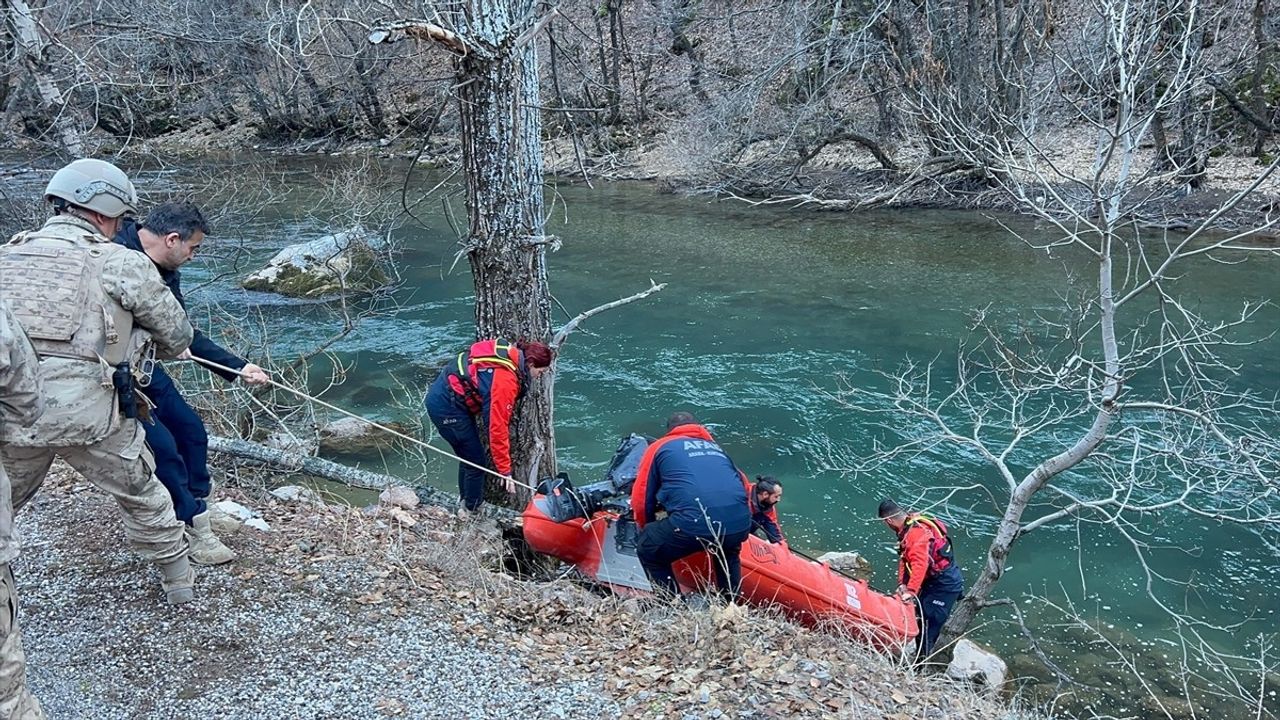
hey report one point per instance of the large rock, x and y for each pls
(325, 266)
(847, 562)
(979, 665)
(296, 494)
(233, 509)
(355, 435)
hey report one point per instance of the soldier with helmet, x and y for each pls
(20, 403)
(81, 299)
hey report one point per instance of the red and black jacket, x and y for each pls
(686, 473)
(490, 378)
(762, 519)
(924, 551)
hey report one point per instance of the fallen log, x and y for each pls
(249, 453)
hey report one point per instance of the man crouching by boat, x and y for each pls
(705, 496)
(765, 496)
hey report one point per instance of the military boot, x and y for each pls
(206, 548)
(179, 581)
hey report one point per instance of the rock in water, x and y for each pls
(847, 562)
(354, 435)
(325, 266)
(977, 664)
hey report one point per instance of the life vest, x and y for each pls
(464, 375)
(941, 555)
(52, 280)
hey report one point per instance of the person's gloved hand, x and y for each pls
(904, 594)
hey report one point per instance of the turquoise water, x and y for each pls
(766, 312)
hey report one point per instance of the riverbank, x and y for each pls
(842, 177)
(341, 612)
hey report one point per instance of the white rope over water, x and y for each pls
(384, 428)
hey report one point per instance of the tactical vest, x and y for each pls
(52, 279)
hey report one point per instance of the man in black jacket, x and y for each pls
(764, 497)
(170, 236)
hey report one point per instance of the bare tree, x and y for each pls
(1132, 381)
(31, 48)
(496, 61)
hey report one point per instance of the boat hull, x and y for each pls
(603, 550)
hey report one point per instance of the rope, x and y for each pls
(384, 428)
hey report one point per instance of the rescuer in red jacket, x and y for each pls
(927, 569)
(483, 386)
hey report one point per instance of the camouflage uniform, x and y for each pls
(110, 294)
(20, 402)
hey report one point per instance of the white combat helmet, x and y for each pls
(95, 185)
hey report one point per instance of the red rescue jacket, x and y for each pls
(924, 550)
(491, 378)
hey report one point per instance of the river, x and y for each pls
(765, 312)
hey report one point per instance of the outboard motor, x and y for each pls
(563, 502)
(626, 462)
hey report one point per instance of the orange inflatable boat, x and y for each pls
(591, 528)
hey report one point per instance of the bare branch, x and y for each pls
(573, 324)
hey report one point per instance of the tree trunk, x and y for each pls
(498, 104)
(1259, 72)
(682, 44)
(31, 53)
(615, 60)
(259, 455)
(363, 63)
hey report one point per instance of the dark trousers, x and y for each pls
(935, 603)
(661, 543)
(180, 444)
(458, 428)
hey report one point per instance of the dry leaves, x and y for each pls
(654, 660)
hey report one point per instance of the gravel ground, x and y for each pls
(389, 612)
(283, 632)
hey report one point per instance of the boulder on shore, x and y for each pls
(978, 665)
(296, 494)
(324, 266)
(355, 435)
(400, 496)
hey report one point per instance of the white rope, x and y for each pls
(384, 428)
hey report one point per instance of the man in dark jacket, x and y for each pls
(705, 496)
(170, 236)
(765, 496)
